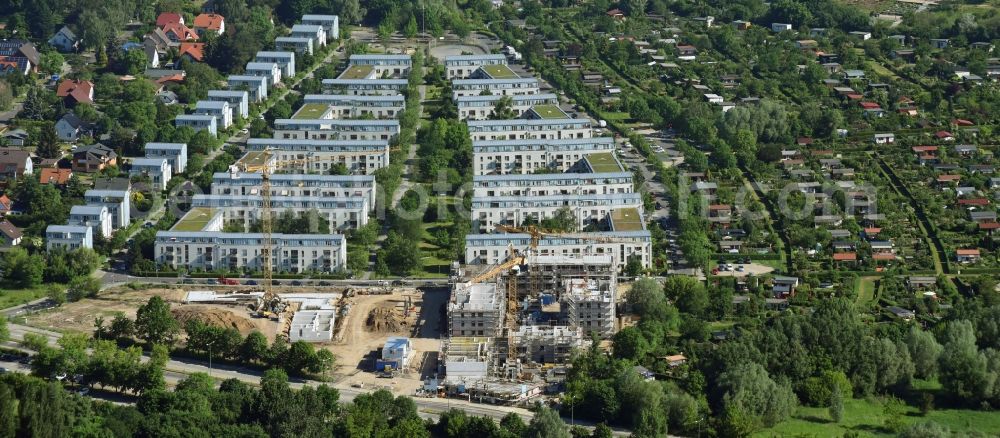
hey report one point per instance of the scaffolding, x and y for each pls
(590, 305)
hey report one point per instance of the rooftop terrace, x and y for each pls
(195, 220)
(357, 72)
(603, 162)
(626, 219)
(311, 111)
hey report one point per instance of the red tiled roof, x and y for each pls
(854, 96)
(55, 176)
(943, 178)
(180, 31)
(962, 122)
(720, 207)
(822, 152)
(943, 134)
(5, 203)
(873, 230)
(974, 201)
(804, 141)
(845, 257)
(209, 21)
(989, 225)
(870, 105)
(177, 78)
(884, 256)
(166, 18)
(615, 13)
(195, 50)
(967, 252)
(925, 148)
(78, 90)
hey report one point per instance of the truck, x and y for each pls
(228, 281)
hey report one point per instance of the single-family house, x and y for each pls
(268, 70)
(330, 23)
(15, 163)
(55, 176)
(65, 40)
(209, 23)
(74, 91)
(93, 158)
(116, 200)
(194, 52)
(300, 45)
(10, 235)
(16, 137)
(313, 32)
(166, 18)
(178, 32)
(70, 127)
(285, 60)
(255, 86)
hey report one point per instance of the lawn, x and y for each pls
(867, 418)
(865, 287)
(195, 220)
(311, 111)
(615, 116)
(13, 297)
(881, 70)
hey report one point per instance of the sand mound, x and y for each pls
(384, 320)
(212, 316)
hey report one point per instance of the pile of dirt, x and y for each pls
(213, 316)
(384, 320)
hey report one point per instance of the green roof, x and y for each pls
(357, 72)
(603, 162)
(499, 71)
(626, 219)
(311, 111)
(549, 111)
(195, 220)
(252, 161)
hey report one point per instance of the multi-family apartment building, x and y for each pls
(462, 66)
(175, 153)
(333, 129)
(269, 70)
(475, 309)
(285, 61)
(346, 213)
(221, 110)
(551, 184)
(501, 87)
(480, 107)
(330, 23)
(348, 106)
(238, 100)
(589, 209)
(157, 169)
(385, 65)
(198, 122)
(500, 157)
(215, 251)
(491, 249)
(256, 86)
(94, 216)
(517, 129)
(335, 186)
(365, 86)
(319, 156)
(300, 45)
(314, 32)
(117, 201)
(69, 237)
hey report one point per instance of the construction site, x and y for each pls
(514, 327)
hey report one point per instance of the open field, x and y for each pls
(867, 418)
(14, 297)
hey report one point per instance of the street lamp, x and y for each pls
(209, 345)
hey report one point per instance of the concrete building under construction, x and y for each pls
(548, 344)
(476, 309)
(590, 305)
(467, 358)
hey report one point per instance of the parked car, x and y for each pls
(296, 283)
(324, 283)
(250, 283)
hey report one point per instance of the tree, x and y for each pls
(81, 287)
(411, 27)
(21, 269)
(513, 424)
(51, 62)
(135, 62)
(645, 296)
(963, 369)
(836, 403)
(749, 392)
(4, 331)
(122, 327)
(56, 294)
(630, 344)
(350, 11)
(503, 109)
(254, 347)
(6, 96)
(546, 424)
(155, 324)
(924, 350)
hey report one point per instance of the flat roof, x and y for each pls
(603, 162)
(549, 111)
(311, 111)
(499, 71)
(254, 159)
(626, 219)
(195, 220)
(356, 72)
